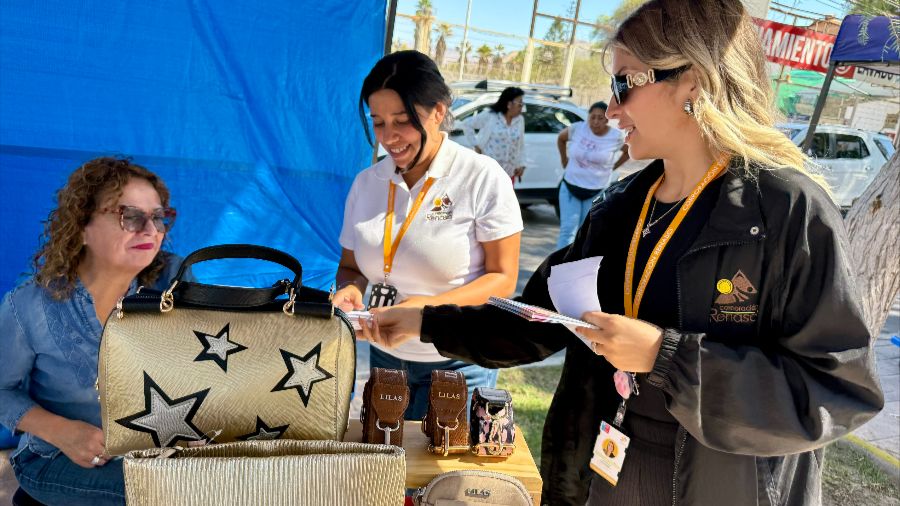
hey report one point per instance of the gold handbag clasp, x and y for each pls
(167, 301)
(289, 305)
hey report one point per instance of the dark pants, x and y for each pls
(57, 480)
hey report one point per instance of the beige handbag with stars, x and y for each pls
(245, 364)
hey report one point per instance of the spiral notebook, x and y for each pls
(535, 313)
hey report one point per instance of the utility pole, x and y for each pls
(529, 48)
(781, 69)
(465, 41)
(570, 52)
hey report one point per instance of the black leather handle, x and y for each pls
(224, 251)
(235, 297)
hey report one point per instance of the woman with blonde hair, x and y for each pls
(731, 347)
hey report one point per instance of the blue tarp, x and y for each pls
(865, 39)
(247, 109)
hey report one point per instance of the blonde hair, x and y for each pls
(716, 38)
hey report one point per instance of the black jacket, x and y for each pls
(758, 382)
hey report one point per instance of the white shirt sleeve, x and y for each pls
(519, 158)
(347, 238)
(480, 122)
(497, 213)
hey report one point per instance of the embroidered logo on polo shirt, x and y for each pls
(735, 302)
(442, 210)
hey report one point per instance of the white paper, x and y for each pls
(356, 317)
(573, 289)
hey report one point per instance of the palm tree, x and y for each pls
(464, 48)
(444, 32)
(498, 60)
(423, 19)
(484, 54)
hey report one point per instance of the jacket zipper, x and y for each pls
(681, 431)
(683, 434)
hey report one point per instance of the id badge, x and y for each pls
(609, 453)
(383, 295)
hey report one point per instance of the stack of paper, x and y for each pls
(573, 289)
(535, 313)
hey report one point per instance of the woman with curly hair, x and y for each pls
(100, 243)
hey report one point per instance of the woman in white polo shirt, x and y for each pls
(432, 223)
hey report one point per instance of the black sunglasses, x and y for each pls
(622, 84)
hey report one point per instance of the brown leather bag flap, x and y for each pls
(389, 402)
(448, 396)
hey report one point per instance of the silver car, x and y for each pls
(850, 158)
(546, 114)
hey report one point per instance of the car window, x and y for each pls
(849, 146)
(886, 148)
(473, 112)
(459, 102)
(543, 119)
(820, 146)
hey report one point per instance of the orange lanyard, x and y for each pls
(390, 248)
(632, 305)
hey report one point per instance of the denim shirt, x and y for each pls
(50, 349)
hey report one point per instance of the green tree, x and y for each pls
(444, 31)
(464, 48)
(874, 7)
(484, 56)
(423, 18)
(497, 66)
(607, 25)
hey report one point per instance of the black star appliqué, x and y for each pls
(166, 420)
(264, 432)
(217, 347)
(303, 373)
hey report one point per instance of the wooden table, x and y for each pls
(422, 465)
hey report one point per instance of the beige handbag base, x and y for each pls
(276, 473)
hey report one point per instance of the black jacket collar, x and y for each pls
(737, 216)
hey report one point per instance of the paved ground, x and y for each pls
(539, 239)
(883, 431)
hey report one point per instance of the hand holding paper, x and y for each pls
(573, 290)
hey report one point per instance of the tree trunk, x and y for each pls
(873, 225)
(422, 35)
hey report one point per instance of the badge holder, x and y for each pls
(611, 444)
(383, 295)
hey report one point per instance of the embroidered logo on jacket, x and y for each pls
(735, 300)
(442, 210)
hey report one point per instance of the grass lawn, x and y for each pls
(531, 389)
(849, 477)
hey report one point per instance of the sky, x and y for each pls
(514, 17)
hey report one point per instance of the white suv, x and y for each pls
(545, 117)
(850, 158)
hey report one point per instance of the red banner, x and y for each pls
(798, 47)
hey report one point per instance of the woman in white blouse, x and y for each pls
(501, 132)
